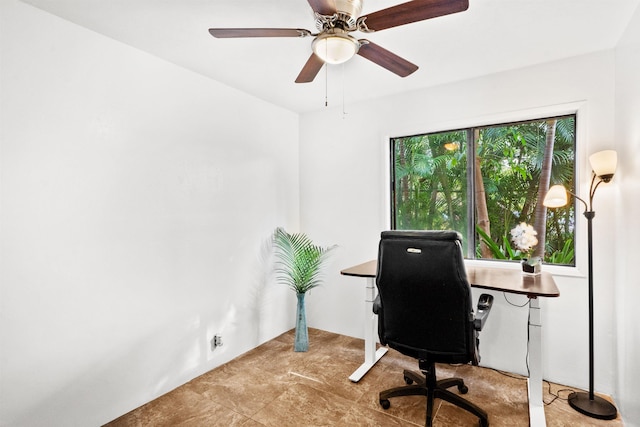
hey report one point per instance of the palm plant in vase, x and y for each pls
(299, 266)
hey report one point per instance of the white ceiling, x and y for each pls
(491, 36)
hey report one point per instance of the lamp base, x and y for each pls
(596, 408)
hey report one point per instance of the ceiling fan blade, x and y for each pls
(323, 7)
(412, 11)
(224, 33)
(386, 59)
(310, 69)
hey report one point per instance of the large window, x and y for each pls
(484, 181)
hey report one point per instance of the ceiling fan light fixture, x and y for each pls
(334, 47)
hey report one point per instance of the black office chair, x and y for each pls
(425, 311)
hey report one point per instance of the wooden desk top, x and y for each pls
(495, 279)
(367, 269)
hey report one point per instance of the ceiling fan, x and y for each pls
(335, 19)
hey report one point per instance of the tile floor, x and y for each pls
(273, 386)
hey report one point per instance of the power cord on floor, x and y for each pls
(509, 374)
(555, 395)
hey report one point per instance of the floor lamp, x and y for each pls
(603, 164)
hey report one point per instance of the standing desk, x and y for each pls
(496, 279)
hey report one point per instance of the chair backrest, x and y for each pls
(425, 298)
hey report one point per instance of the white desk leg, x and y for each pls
(371, 356)
(536, 407)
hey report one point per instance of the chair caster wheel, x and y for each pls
(463, 389)
(385, 403)
(408, 380)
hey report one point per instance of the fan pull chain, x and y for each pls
(344, 113)
(326, 85)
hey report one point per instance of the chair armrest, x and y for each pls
(377, 306)
(485, 302)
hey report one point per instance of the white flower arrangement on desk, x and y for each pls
(524, 238)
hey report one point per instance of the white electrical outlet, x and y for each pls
(216, 341)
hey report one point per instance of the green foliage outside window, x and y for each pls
(436, 184)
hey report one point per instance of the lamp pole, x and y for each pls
(588, 403)
(589, 215)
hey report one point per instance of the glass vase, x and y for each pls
(301, 342)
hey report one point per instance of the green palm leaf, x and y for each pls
(299, 261)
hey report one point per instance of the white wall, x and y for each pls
(135, 199)
(348, 204)
(628, 229)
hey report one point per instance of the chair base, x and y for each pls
(427, 385)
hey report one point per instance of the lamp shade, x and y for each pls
(604, 164)
(556, 197)
(335, 48)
